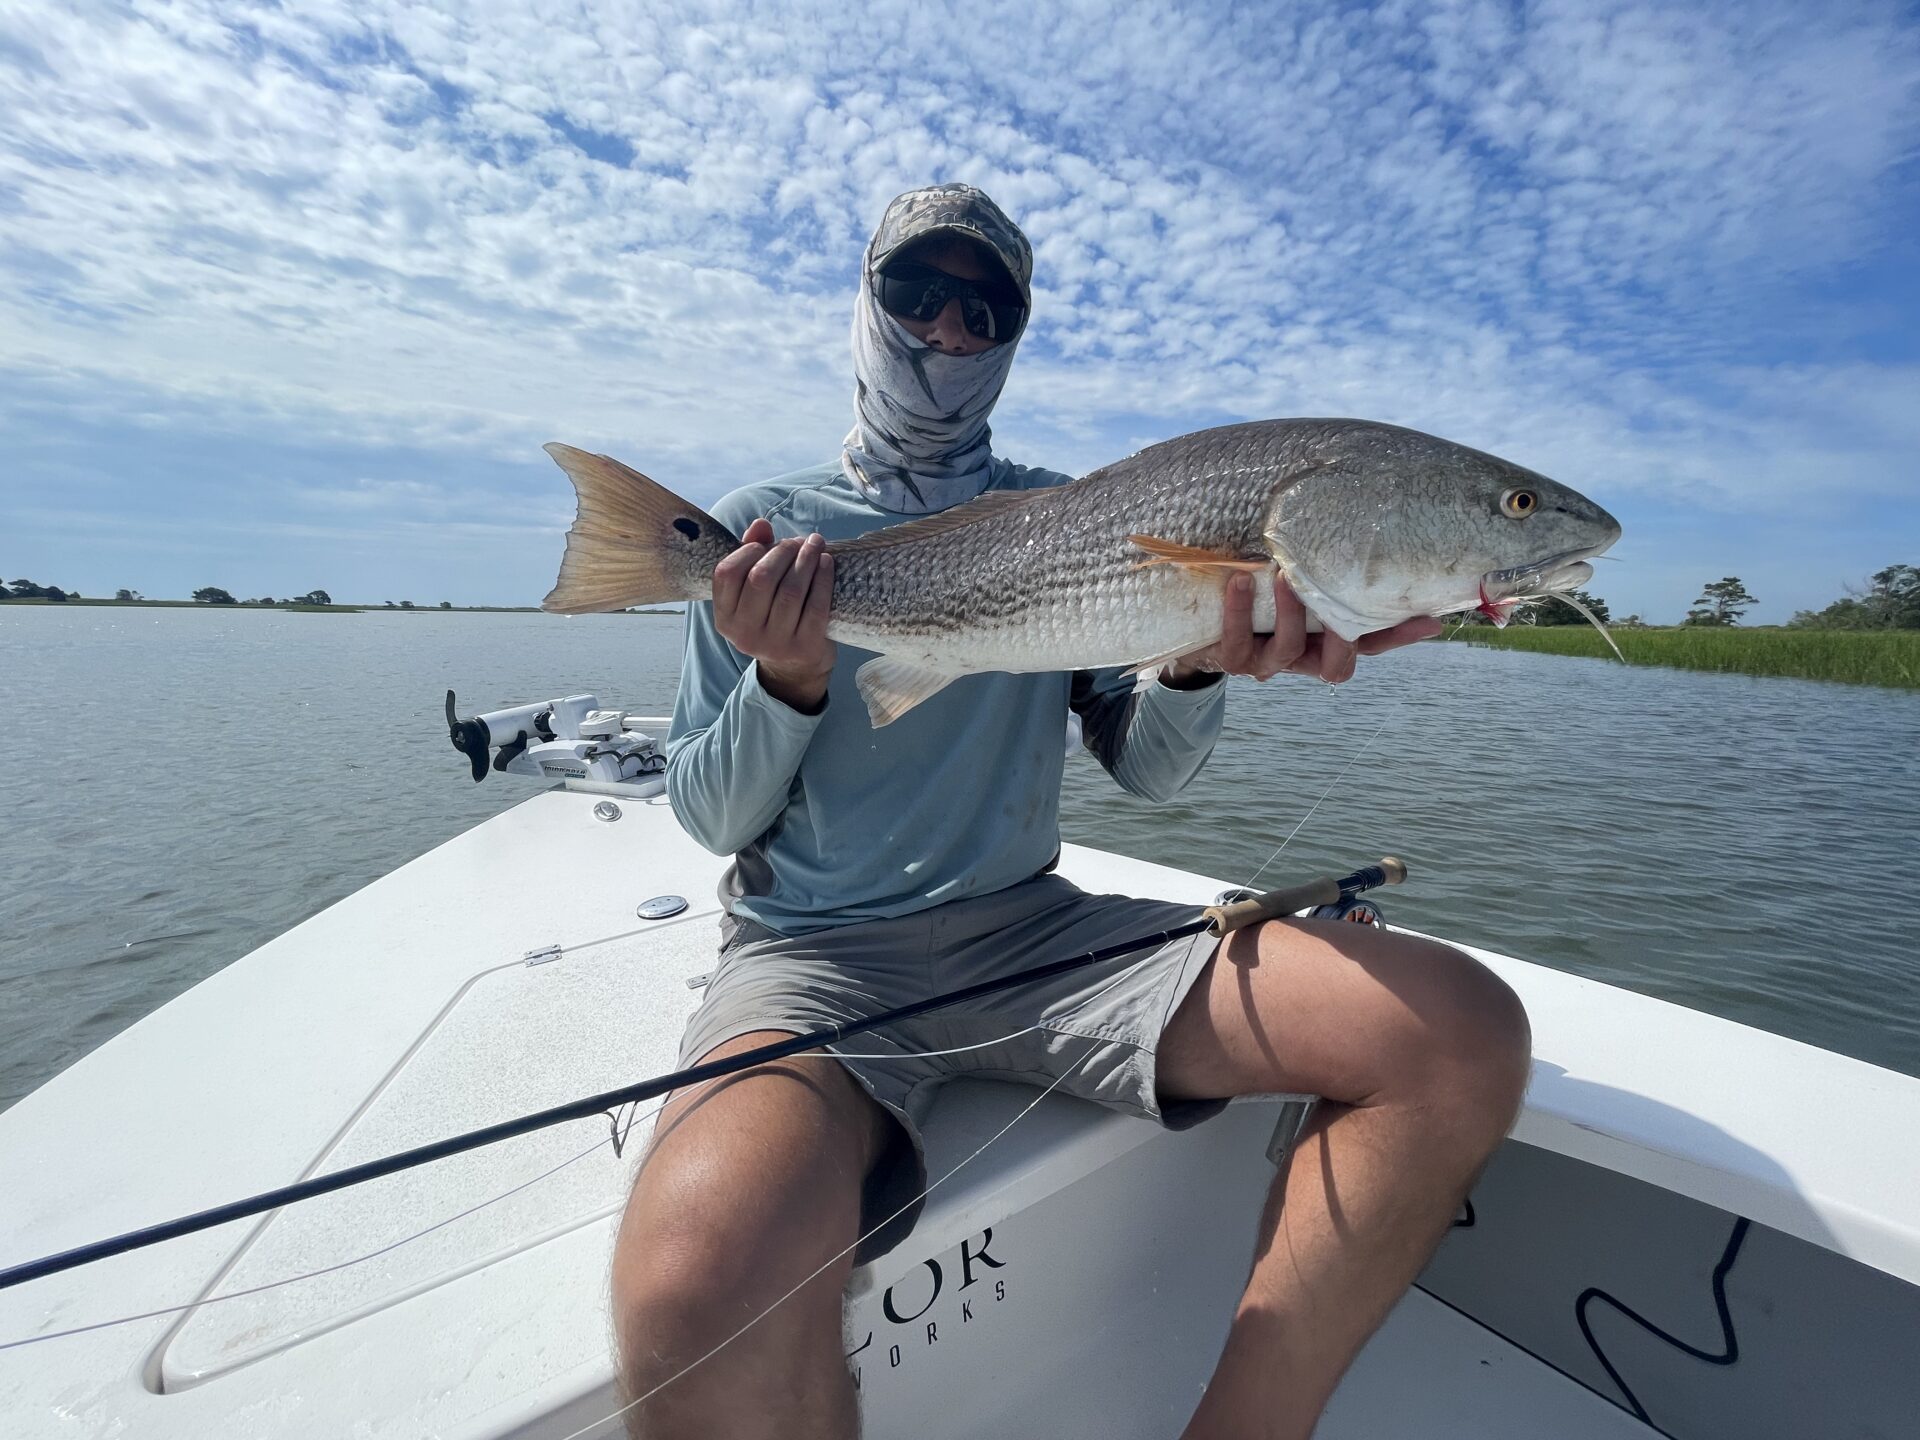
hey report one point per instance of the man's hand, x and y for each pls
(1290, 649)
(770, 601)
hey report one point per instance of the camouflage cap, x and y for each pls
(961, 208)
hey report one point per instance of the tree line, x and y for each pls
(205, 595)
(214, 595)
(1891, 601)
(27, 590)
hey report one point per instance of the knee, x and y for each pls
(699, 1256)
(667, 1317)
(1478, 1045)
(680, 1274)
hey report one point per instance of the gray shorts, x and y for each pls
(1094, 1030)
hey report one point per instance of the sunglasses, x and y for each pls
(919, 292)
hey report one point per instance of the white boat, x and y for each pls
(1696, 1229)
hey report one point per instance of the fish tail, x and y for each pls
(633, 542)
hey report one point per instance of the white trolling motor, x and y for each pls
(566, 739)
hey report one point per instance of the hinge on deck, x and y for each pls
(541, 957)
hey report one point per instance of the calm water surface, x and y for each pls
(179, 786)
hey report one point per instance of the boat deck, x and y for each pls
(1431, 1373)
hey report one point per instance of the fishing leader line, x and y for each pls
(1316, 805)
(325, 1269)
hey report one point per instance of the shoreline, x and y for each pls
(1889, 659)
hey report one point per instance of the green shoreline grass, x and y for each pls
(1851, 657)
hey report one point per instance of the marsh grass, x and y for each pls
(1853, 657)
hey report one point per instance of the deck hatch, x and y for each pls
(517, 1038)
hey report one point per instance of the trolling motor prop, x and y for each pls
(1220, 919)
(566, 739)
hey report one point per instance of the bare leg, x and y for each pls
(750, 1185)
(1428, 1053)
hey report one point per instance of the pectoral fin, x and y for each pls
(893, 687)
(1193, 557)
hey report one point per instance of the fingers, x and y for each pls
(792, 589)
(771, 600)
(762, 585)
(1332, 658)
(1407, 632)
(730, 576)
(1336, 658)
(1269, 655)
(813, 621)
(1290, 647)
(1234, 651)
(1289, 626)
(744, 582)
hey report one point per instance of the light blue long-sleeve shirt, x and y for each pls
(830, 821)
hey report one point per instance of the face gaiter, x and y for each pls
(920, 440)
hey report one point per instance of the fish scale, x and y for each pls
(1047, 584)
(1049, 580)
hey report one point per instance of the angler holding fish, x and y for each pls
(893, 820)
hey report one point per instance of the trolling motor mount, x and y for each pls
(470, 738)
(566, 739)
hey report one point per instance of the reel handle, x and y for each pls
(1238, 914)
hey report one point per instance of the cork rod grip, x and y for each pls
(1224, 919)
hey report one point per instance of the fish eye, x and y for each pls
(1518, 504)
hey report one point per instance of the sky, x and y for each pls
(291, 295)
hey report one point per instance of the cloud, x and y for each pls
(365, 494)
(1612, 240)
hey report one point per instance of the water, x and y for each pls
(181, 785)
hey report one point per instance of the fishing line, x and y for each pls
(327, 1269)
(1315, 806)
(831, 1260)
(617, 1139)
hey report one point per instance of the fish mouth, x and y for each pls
(1503, 591)
(1564, 571)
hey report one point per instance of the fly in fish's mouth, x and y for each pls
(1565, 571)
(1504, 591)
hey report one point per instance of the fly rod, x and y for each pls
(1220, 919)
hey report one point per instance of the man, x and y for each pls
(874, 867)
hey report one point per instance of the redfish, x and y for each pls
(1371, 524)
